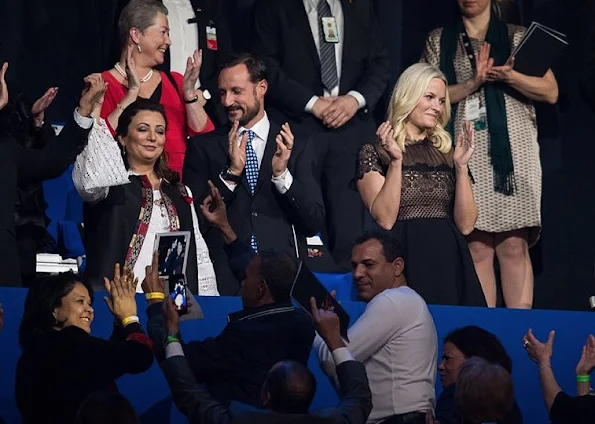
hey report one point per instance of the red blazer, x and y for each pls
(177, 131)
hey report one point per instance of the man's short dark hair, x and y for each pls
(278, 269)
(291, 387)
(256, 67)
(391, 246)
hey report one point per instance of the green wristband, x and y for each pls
(583, 378)
(171, 339)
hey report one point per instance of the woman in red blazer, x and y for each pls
(144, 36)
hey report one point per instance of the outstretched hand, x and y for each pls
(41, 104)
(121, 299)
(465, 146)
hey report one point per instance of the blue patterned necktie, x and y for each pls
(328, 63)
(251, 175)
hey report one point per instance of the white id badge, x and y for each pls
(329, 26)
(472, 109)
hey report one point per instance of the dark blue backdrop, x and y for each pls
(150, 396)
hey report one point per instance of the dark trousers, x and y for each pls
(409, 418)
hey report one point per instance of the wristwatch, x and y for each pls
(228, 176)
(206, 94)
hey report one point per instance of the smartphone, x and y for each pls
(177, 290)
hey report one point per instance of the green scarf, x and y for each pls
(500, 153)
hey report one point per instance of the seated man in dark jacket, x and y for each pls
(287, 391)
(267, 330)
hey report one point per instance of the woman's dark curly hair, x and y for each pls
(141, 105)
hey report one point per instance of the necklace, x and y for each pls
(122, 72)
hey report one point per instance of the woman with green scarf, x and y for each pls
(474, 54)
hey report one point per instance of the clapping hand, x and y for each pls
(3, 86)
(586, 364)
(386, 135)
(483, 66)
(122, 293)
(464, 147)
(502, 73)
(92, 94)
(237, 151)
(539, 352)
(285, 141)
(152, 282)
(193, 64)
(132, 78)
(41, 104)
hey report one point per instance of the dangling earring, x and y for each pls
(139, 49)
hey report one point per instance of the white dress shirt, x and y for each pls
(261, 134)
(311, 7)
(183, 36)
(395, 339)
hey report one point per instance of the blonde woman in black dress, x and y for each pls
(415, 183)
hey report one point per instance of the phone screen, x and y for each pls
(177, 289)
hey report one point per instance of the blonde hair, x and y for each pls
(408, 91)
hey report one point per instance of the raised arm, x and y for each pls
(465, 209)
(538, 89)
(299, 194)
(381, 192)
(197, 119)
(366, 335)
(61, 151)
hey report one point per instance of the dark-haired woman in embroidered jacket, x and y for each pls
(132, 196)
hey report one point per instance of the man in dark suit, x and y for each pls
(21, 165)
(266, 179)
(328, 87)
(267, 330)
(287, 391)
(194, 24)
(587, 83)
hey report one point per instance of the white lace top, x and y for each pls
(99, 167)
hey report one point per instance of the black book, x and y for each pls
(306, 285)
(538, 49)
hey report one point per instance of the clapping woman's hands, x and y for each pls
(3, 86)
(386, 136)
(193, 64)
(122, 293)
(132, 78)
(586, 364)
(465, 146)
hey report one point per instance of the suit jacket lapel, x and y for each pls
(266, 167)
(224, 146)
(201, 13)
(297, 13)
(349, 23)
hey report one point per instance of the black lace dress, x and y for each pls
(438, 264)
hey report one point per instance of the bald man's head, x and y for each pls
(289, 388)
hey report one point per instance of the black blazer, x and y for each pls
(58, 370)
(235, 363)
(283, 38)
(207, 13)
(199, 406)
(272, 216)
(20, 165)
(588, 75)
